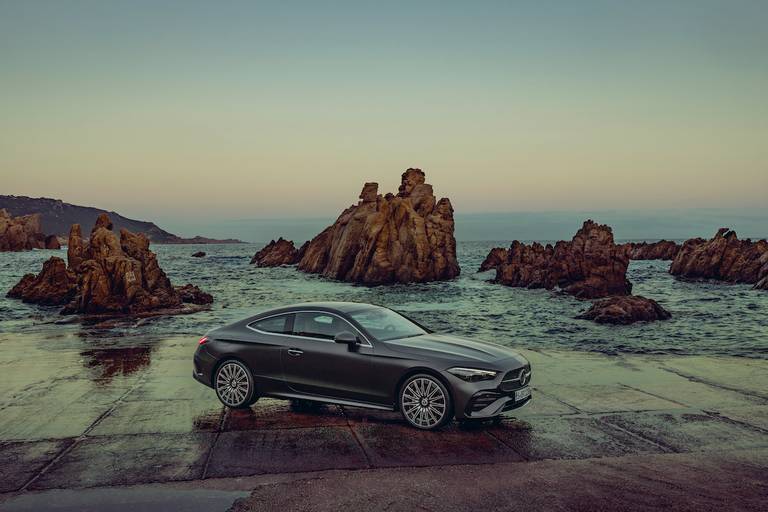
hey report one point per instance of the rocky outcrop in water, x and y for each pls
(625, 310)
(198, 254)
(724, 258)
(107, 275)
(24, 233)
(53, 286)
(277, 253)
(661, 250)
(495, 258)
(589, 266)
(401, 238)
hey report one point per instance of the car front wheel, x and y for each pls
(425, 402)
(234, 385)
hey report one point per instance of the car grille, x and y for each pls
(511, 380)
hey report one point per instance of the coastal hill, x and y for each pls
(56, 217)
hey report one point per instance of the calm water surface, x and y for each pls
(708, 318)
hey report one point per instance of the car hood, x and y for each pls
(453, 348)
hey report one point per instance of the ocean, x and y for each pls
(708, 318)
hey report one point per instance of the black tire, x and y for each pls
(228, 383)
(425, 402)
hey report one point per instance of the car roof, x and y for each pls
(343, 307)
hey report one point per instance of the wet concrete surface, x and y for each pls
(75, 418)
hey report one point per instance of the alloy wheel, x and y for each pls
(424, 403)
(233, 384)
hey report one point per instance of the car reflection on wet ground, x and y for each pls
(73, 417)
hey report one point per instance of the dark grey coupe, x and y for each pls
(361, 355)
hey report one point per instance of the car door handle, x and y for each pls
(295, 352)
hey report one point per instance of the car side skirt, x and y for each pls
(328, 400)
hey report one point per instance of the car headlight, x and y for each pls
(473, 374)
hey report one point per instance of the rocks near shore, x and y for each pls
(661, 250)
(625, 310)
(107, 274)
(277, 253)
(589, 266)
(198, 254)
(24, 233)
(724, 257)
(400, 238)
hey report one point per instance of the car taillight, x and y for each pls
(203, 340)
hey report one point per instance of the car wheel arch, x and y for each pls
(416, 371)
(226, 359)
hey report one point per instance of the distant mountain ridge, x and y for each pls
(57, 217)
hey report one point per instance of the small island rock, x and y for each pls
(198, 254)
(276, 253)
(625, 310)
(589, 266)
(661, 250)
(23, 233)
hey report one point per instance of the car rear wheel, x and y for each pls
(425, 402)
(234, 385)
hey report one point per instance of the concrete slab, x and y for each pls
(690, 431)
(122, 460)
(569, 438)
(161, 416)
(21, 461)
(33, 422)
(541, 405)
(608, 398)
(400, 445)
(173, 388)
(255, 452)
(281, 414)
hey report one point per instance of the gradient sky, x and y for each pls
(230, 110)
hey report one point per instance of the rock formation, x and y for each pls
(198, 254)
(494, 259)
(107, 275)
(589, 266)
(725, 258)
(23, 233)
(625, 310)
(661, 250)
(400, 238)
(276, 253)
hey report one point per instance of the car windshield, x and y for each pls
(384, 324)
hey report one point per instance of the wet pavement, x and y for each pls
(74, 418)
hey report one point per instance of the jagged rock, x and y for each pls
(107, 276)
(390, 239)
(589, 266)
(191, 294)
(23, 233)
(661, 250)
(625, 310)
(53, 286)
(724, 258)
(494, 259)
(276, 253)
(198, 254)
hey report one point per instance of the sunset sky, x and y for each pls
(236, 110)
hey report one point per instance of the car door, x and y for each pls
(314, 364)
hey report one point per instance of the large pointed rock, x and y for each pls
(23, 233)
(401, 238)
(277, 252)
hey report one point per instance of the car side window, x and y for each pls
(275, 324)
(320, 325)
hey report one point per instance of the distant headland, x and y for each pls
(56, 217)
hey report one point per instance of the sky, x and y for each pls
(190, 113)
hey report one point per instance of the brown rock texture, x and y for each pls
(494, 259)
(106, 275)
(589, 266)
(391, 239)
(23, 233)
(53, 286)
(625, 310)
(276, 253)
(661, 250)
(725, 258)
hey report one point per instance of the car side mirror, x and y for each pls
(347, 338)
